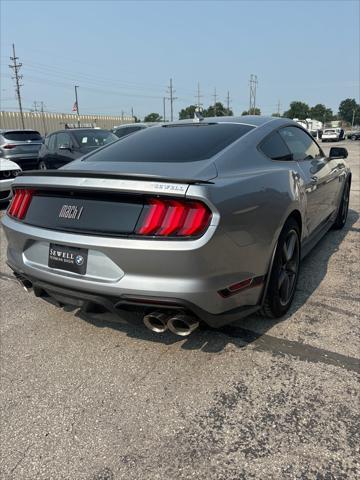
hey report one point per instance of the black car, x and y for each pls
(67, 145)
(353, 135)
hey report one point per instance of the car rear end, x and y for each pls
(21, 147)
(8, 172)
(95, 236)
(330, 135)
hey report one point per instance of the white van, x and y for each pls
(333, 135)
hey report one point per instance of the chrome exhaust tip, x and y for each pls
(26, 284)
(156, 321)
(182, 324)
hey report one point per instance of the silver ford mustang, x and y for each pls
(202, 220)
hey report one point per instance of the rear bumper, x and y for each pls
(188, 274)
(5, 190)
(89, 302)
(25, 163)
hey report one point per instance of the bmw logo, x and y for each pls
(79, 260)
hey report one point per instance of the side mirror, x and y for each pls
(65, 146)
(338, 152)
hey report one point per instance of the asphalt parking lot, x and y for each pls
(92, 398)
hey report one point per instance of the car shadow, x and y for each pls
(245, 331)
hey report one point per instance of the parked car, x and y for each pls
(333, 135)
(355, 135)
(202, 220)
(64, 146)
(127, 129)
(8, 172)
(21, 147)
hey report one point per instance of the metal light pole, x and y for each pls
(77, 105)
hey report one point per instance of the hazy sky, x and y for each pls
(122, 53)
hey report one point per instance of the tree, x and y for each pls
(217, 110)
(298, 110)
(187, 112)
(153, 117)
(321, 113)
(349, 108)
(276, 114)
(254, 111)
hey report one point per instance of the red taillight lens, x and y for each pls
(20, 203)
(174, 218)
(9, 146)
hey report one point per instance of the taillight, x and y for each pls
(20, 203)
(9, 146)
(174, 218)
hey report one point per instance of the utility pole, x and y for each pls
(164, 109)
(132, 113)
(171, 98)
(198, 96)
(228, 102)
(43, 117)
(353, 119)
(253, 85)
(215, 100)
(77, 105)
(35, 109)
(16, 67)
(278, 108)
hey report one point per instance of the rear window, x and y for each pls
(23, 135)
(329, 131)
(94, 138)
(180, 143)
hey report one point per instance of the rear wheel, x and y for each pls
(284, 272)
(353, 137)
(343, 208)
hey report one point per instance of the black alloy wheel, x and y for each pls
(284, 273)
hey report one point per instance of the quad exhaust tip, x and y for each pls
(26, 284)
(181, 324)
(156, 321)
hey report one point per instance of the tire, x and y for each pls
(353, 137)
(343, 208)
(42, 165)
(284, 273)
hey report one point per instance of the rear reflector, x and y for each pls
(174, 218)
(240, 286)
(20, 203)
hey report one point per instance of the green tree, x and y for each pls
(349, 108)
(321, 113)
(187, 112)
(153, 117)
(217, 110)
(255, 111)
(276, 114)
(298, 110)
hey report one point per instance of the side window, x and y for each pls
(133, 129)
(301, 145)
(121, 132)
(275, 148)
(62, 139)
(51, 142)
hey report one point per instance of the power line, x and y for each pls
(228, 102)
(215, 99)
(171, 98)
(198, 96)
(253, 85)
(16, 67)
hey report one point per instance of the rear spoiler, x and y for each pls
(110, 175)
